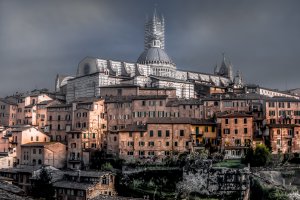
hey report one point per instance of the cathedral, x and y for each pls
(154, 68)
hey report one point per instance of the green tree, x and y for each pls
(42, 186)
(260, 156)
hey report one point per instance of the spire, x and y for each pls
(216, 69)
(155, 30)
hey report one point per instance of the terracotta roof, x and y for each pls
(73, 185)
(84, 173)
(235, 114)
(282, 125)
(39, 144)
(116, 99)
(180, 120)
(8, 102)
(177, 102)
(134, 128)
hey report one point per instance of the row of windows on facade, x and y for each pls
(84, 144)
(145, 114)
(2, 107)
(290, 132)
(236, 131)
(280, 104)
(150, 153)
(67, 118)
(26, 157)
(280, 143)
(284, 121)
(152, 103)
(234, 104)
(67, 108)
(237, 142)
(59, 127)
(235, 121)
(36, 139)
(284, 113)
(152, 143)
(159, 133)
(85, 135)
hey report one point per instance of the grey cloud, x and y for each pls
(42, 38)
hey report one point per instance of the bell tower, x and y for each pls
(154, 30)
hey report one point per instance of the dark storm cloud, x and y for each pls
(39, 39)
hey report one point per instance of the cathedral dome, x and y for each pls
(155, 55)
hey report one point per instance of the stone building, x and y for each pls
(85, 185)
(154, 68)
(44, 153)
(59, 121)
(23, 135)
(284, 138)
(159, 138)
(236, 131)
(88, 133)
(8, 112)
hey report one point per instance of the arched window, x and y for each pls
(39, 161)
(34, 162)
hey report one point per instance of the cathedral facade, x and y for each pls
(154, 68)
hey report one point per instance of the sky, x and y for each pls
(40, 39)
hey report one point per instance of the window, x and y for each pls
(245, 130)
(235, 121)
(181, 133)
(141, 134)
(130, 144)
(245, 120)
(167, 133)
(37, 138)
(130, 134)
(39, 161)
(187, 144)
(278, 141)
(31, 138)
(206, 129)
(151, 144)
(34, 151)
(151, 133)
(105, 181)
(58, 118)
(175, 144)
(130, 153)
(236, 131)
(226, 121)
(141, 153)
(143, 103)
(226, 131)
(159, 133)
(94, 135)
(141, 144)
(40, 151)
(167, 144)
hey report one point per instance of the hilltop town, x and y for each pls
(116, 119)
